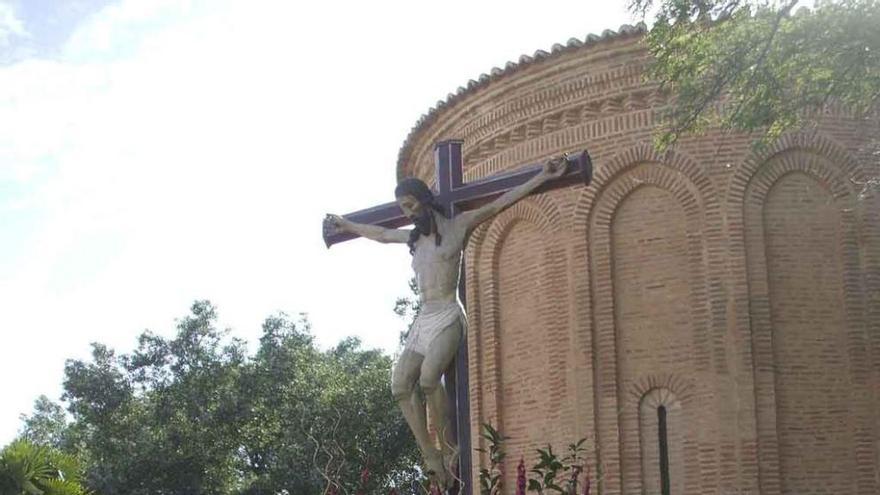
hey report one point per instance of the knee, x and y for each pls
(404, 376)
(400, 389)
(428, 383)
(400, 393)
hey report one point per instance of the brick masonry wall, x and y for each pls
(738, 289)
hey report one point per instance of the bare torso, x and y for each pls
(436, 267)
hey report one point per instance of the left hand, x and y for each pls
(555, 167)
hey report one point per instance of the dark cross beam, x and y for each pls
(456, 196)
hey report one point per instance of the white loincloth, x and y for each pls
(432, 320)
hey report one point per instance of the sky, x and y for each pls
(157, 152)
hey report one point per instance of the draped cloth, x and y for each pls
(431, 321)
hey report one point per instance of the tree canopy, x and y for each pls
(199, 414)
(762, 66)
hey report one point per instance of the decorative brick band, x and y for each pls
(592, 47)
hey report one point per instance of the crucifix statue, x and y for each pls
(443, 221)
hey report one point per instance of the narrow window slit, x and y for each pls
(664, 450)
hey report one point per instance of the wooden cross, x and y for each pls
(455, 196)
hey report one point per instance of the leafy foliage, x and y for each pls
(546, 471)
(757, 66)
(197, 414)
(490, 478)
(574, 465)
(554, 474)
(551, 473)
(47, 425)
(29, 469)
(409, 307)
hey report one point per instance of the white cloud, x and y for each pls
(183, 150)
(11, 26)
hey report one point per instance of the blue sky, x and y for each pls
(157, 152)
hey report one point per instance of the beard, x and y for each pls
(424, 225)
(423, 221)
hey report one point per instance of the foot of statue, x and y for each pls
(450, 460)
(437, 470)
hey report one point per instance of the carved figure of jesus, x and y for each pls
(436, 244)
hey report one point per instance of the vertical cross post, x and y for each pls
(447, 160)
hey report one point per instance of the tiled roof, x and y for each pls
(510, 67)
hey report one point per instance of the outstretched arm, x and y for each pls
(373, 232)
(552, 169)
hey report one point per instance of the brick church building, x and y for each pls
(717, 306)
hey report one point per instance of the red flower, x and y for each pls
(521, 478)
(365, 476)
(435, 490)
(393, 491)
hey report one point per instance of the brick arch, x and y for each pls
(660, 396)
(676, 392)
(833, 169)
(484, 248)
(681, 460)
(538, 209)
(680, 386)
(626, 159)
(594, 211)
(812, 142)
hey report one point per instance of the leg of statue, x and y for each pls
(440, 354)
(404, 378)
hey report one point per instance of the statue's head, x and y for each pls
(414, 198)
(417, 202)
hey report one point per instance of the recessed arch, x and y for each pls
(802, 172)
(540, 215)
(626, 174)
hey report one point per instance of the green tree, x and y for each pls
(164, 418)
(757, 66)
(408, 307)
(47, 425)
(326, 415)
(198, 414)
(29, 469)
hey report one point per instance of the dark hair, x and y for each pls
(425, 225)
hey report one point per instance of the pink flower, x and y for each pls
(521, 478)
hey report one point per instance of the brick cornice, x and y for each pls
(543, 61)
